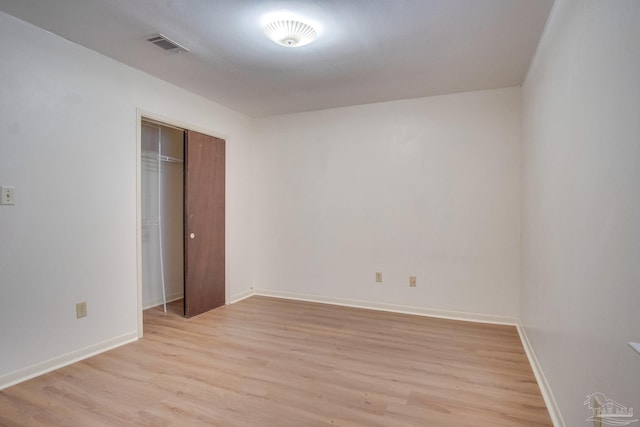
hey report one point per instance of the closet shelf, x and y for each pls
(162, 158)
(150, 221)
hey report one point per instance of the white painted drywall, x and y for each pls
(427, 187)
(581, 208)
(68, 144)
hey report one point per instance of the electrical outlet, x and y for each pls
(81, 310)
(412, 281)
(378, 277)
(7, 196)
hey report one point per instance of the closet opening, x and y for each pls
(162, 209)
(182, 241)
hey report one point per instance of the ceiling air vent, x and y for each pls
(166, 43)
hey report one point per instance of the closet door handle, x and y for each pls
(192, 235)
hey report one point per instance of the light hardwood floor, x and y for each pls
(272, 362)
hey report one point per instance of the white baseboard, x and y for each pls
(395, 308)
(240, 296)
(547, 394)
(158, 301)
(12, 378)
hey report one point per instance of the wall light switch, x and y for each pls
(379, 277)
(7, 196)
(412, 281)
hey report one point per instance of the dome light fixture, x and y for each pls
(290, 33)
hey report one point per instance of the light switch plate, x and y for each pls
(7, 196)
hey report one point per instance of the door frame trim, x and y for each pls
(161, 119)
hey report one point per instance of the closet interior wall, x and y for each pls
(162, 225)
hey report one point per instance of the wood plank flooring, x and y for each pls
(272, 362)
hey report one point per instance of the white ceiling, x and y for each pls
(368, 50)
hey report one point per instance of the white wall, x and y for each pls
(68, 145)
(427, 187)
(581, 212)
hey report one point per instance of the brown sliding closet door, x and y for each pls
(204, 194)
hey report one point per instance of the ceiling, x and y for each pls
(368, 50)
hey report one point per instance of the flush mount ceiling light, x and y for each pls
(290, 33)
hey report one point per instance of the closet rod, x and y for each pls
(162, 157)
(170, 159)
